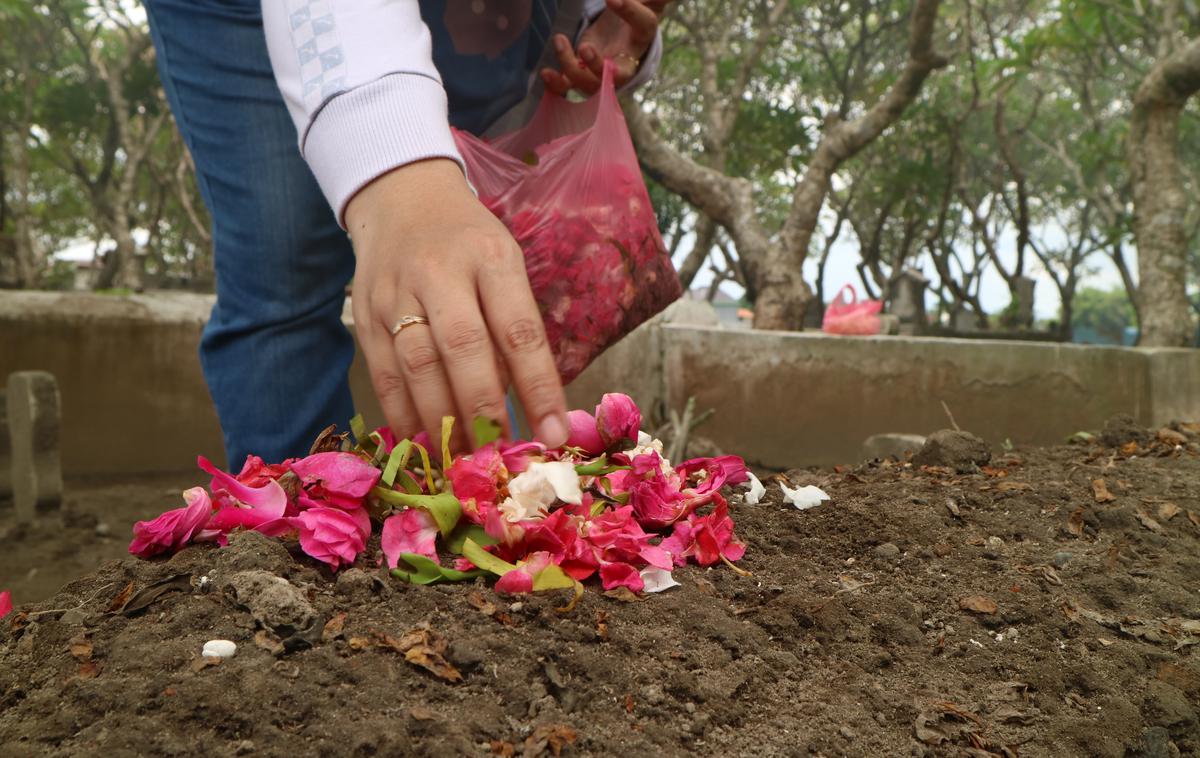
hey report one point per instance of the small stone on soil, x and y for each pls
(1061, 558)
(887, 551)
(219, 649)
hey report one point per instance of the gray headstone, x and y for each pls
(5, 456)
(34, 421)
(906, 299)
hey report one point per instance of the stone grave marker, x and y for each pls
(33, 421)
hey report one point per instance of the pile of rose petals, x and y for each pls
(606, 504)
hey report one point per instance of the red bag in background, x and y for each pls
(568, 187)
(845, 315)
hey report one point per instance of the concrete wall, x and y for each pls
(134, 399)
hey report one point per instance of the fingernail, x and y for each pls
(552, 432)
(560, 44)
(614, 4)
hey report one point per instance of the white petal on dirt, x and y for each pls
(657, 580)
(754, 495)
(219, 649)
(804, 497)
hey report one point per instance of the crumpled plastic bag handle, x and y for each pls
(846, 315)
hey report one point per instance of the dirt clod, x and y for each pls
(961, 452)
(1121, 429)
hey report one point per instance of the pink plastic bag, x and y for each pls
(568, 187)
(845, 315)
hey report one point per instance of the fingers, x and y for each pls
(519, 334)
(572, 69)
(386, 376)
(422, 370)
(642, 21)
(464, 342)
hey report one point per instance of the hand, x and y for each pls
(425, 246)
(623, 32)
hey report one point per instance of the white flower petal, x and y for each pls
(804, 497)
(657, 580)
(754, 495)
(562, 479)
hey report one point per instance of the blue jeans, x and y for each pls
(275, 353)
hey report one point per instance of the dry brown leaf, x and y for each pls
(629, 702)
(80, 648)
(1168, 511)
(979, 604)
(121, 599)
(952, 506)
(850, 584)
(268, 642)
(1194, 518)
(1101, 493)
(1129, 448)
(482, 604)
(421, 713)
(204, 662)
(624, 594)
(1075, 522)
(422, 647)
(1106, 642)
(360, 643)
(602, 625)
(503, 748)
(1013, 486)
(1149, 523)
(549, 737)
(333, 628)
(1171, 437)
(995, 473)
(89, 670)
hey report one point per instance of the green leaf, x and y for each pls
(427, 571)
(359, 427)
(552, 578)
(485, 560)
(594, 468)
(486, 430)
(397, 461)
(444, 507)
(447, 428)
(473, 532)
(425, 465)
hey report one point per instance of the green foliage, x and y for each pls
(1107, 312)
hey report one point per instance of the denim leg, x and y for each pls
(275, 353)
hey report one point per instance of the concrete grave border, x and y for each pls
(133, 398)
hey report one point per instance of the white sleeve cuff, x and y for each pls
(362, 134)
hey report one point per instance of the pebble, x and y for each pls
(847, 732)
(516, 607)
(1061, 558)
(995, 542)
(219, 649)
(689, 707)
(102, 529)
(887, 551)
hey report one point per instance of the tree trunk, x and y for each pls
(705, 234)
(1160, 203)
(783, 296)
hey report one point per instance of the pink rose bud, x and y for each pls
(617, 419)
(583, 433)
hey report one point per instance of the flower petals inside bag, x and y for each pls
(568, 187)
